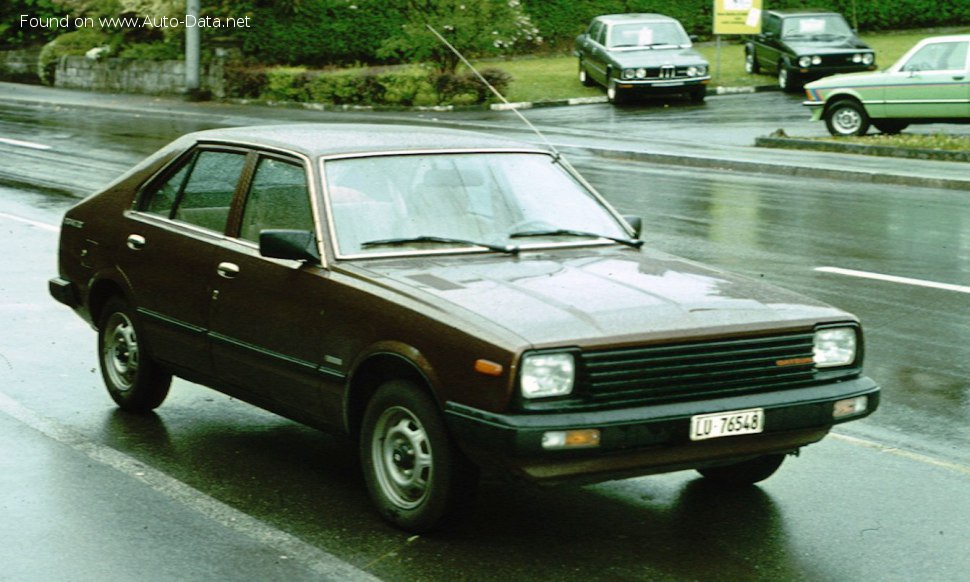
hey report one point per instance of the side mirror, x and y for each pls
(294, 245)
(636, 223)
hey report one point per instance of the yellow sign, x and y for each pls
(737, 16)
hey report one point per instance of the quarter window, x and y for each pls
(278, 198)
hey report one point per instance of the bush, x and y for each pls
(153, 51)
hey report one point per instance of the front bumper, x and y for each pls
(651, 438)
(806, 74)
(64, 292)
(661, 86)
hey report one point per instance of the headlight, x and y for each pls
(816, 60)
(868, 58)
(691, 71)
(804, 61)
(857, 58)
(628, 73)
(641, 73)
(701, 70)
(835, 346)
(545, 375)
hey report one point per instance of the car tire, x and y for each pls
(416, 476)
(584, 77)
(134, 381)
(614, 94)
(787, 79)
(890, 127)
(845, 118)
(743, 473)
(698, 95)
(751, 62)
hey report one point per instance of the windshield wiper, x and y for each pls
(440, 240)
(630, 242)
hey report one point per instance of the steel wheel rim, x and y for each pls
(782, 78)
(582, 74)
(749, 63)
(846, 120)
(120, 353)
(402, 457)
(611, 91)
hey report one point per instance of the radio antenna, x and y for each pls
(496, 91)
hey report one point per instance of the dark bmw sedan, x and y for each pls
(451, 301)
(640, 54)
(804, 46)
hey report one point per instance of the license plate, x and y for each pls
(725, 424)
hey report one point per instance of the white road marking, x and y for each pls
(911, 455)
(41, 225)
(328, 566)
(895, 279)
(25, 144)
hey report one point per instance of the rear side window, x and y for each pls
(278, 198)
(200, 192)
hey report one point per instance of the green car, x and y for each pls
(929, 84)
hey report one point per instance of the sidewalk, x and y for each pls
(742, 158)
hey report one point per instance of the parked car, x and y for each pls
(929, 84)
(452, 301)
(804, 46)
(648, 54)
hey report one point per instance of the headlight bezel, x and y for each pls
(837, 346)
(547, 374)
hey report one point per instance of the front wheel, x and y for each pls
(614, 94)
(133, 380)
(787, 80)
(415, 475)
(845, 118)
(743, 473)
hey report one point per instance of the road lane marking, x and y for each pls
(322, 563)
(25, 144)
(903, 453)
(894, 279)
(38, 224)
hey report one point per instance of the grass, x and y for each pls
(938, 141)
(550, 78)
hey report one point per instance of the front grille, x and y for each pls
(691, 370)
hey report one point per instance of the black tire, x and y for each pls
(751, 65)
(846, 117)
(788, 80)
(614, 94)
(133, 380)
(584, 77)
(698, 95)
(890, 127)
(416, 476)
(743, 473)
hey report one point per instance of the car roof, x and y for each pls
(788, 13)
(326, 139)
(634, 17)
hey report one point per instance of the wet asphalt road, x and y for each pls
(885, 498)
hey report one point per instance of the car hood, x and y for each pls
(819, 47)
(634, 58)
(586, 299)
(855, 80)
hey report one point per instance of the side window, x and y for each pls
(207, 193)
(601, 34)
(594, 31)
(278, 198)
(940, 56)
(162, 200)
(772, 24)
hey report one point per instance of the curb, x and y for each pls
(866, 176)
(854, 148)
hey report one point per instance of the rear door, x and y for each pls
(168, 257)
(268, 314)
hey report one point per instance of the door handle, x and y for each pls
(228, 270)
(135, 242)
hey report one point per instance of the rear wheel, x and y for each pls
(414, 473)
(133, 380)
(751, 63)
(845, 118)
(745, 472)
(584, 77)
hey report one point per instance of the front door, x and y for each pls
(933, 83)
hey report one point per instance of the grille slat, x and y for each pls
(689, 370)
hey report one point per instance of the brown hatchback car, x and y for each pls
(452, 301)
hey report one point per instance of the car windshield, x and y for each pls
(647, 34)
(817, 26)
(460, 202)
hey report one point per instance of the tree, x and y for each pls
(475, 27)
